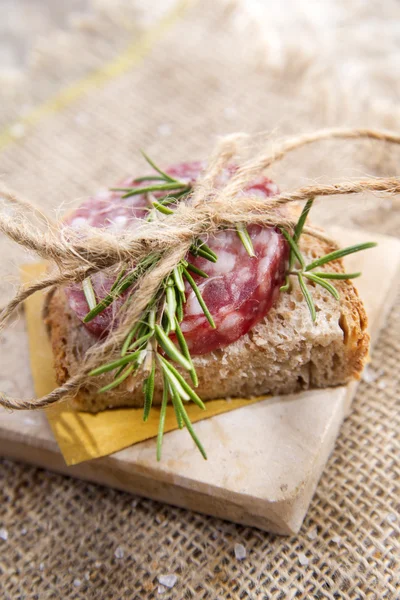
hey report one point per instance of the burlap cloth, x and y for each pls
(191, 72)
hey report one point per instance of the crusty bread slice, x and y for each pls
(284, 353)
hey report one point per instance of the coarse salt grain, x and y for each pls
(77, 582)
(168, 580)
(119, 552)
(240, 552)
(164, 129)
(369, 375)
(312, 535)
(336, 539)
(41, 567)
(391, 518)
(161, 589)
(3, 534)
(303, 560)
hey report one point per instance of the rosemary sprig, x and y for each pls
(304, 271)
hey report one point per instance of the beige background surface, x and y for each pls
(206, 70)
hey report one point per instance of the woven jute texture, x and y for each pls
(209, 69)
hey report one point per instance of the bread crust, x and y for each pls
(284, 353)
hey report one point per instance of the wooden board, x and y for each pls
(264, 459)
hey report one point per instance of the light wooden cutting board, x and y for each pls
(265, 459)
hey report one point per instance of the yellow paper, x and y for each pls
(80, 435)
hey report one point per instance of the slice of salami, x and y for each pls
(239, 290)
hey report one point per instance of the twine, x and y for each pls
(76, 255)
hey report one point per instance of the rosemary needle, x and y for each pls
(89, 293)
(117, 381)
(199, 297)
(161, 422)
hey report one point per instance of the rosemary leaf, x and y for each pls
(170, 349)
(149, 178)
(89, 293)
(325, 284)
(308, 297)
(161, 208)
(185, 351)
(161, 187)
(163, 174)
(122, 286)
(174, 384)
(118, 279)
(199, 297)
(148, 388)
(201, 252)
(245, 239)
(185, 386)
(175, 404)
(117, 381)
(171, 303)
(190, 428)
(179, 307)
(203, 246)
(115, 364)
(339, 254)
(327, 275)
(129, 338)
(294, 247)
(177, 275)
(199, 248)
(140, 341)
(298, 230)
(151, 320)
(161, 422)
(302, 219)
(286, 286)
(194, 269)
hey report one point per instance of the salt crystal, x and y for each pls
(303, 560)
(3, 534)
(41, 567)
(161, 589)
(87, 575)
(312, 535)
(164, 129)
(391, 518)
(119, 552)
(369, 375)
(24, 531)
(77, 582)
(97, 564)
(336, 539)
(158, 520)
(240, 552)
(168, 580)
(134, 503)
(381, 384)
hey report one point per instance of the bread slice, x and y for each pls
(284, 353)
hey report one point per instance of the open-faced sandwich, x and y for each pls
(250, 311)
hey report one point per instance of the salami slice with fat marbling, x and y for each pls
(239, 290)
